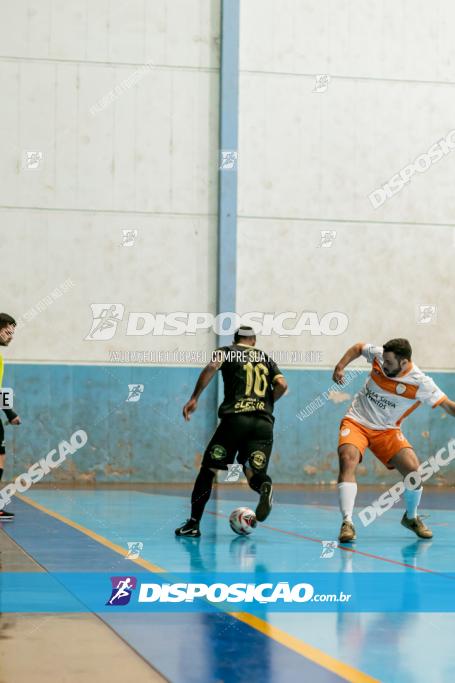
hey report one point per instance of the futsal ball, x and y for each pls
(242, 521)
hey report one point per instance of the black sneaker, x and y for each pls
(190, 529)
(265, 502)
(6, 516)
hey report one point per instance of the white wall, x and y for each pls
(147, 161)
(308, 161)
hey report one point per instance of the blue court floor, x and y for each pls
(89, 530)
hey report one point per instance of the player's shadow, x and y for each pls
(413, 553)
(192, 547)
(243, 552)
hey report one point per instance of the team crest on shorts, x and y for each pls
(218, 452)
(258, 459)
(345, 431)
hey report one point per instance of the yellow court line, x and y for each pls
(313, 653)
(92, 534)
(349, 673)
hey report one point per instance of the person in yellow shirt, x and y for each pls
(7, 328)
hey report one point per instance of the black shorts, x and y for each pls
(249, 436)
(2, 439)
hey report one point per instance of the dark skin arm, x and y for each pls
(280, 387)
(203, 381)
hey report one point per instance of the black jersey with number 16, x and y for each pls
(248, 376)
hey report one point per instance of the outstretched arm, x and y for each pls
(448, 406)
(203, 380)
(351, 354)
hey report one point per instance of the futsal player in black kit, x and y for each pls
(252, 384)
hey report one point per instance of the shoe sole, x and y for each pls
(6, 519)
(265, 502)
(188, 535)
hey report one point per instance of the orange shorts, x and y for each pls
(384, 443)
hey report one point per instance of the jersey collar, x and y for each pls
(406, 372)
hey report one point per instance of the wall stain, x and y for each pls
(338, 396)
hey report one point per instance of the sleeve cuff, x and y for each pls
(10, 414)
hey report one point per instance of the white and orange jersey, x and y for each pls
(384, 402)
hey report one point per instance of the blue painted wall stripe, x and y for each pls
(148, 440)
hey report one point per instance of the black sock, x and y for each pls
(1, 473)
(201, 492)
(257, 480)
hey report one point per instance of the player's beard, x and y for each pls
(392, 373)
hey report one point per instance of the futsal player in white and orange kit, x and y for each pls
(394, 388)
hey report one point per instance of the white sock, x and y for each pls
(347, 492)
(412, 500)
